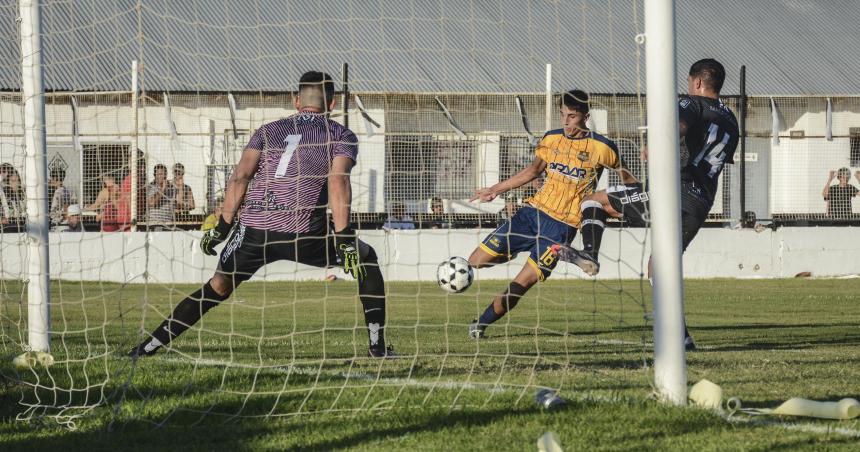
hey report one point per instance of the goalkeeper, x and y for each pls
(300, 165)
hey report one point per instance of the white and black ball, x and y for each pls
(455, 275)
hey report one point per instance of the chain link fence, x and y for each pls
(412, 152)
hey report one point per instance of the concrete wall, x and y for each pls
(174, 257)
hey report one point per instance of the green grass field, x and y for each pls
(282, 366)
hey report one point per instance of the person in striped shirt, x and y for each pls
(573, 159)
(299, 166)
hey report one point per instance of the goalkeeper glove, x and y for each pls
(215, 236)
(346, 246)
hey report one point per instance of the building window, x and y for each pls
(629, 148)
(516, 153)
(419, 167)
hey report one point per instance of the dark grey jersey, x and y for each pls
(710, 142)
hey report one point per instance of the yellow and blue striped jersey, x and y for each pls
(573, 167)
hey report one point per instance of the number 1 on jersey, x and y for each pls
(291, 142)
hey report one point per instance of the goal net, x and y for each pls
(444, 97)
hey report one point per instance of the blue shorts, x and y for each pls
(533, 231)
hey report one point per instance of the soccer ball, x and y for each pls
(454, 275)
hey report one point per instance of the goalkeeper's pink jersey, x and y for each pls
(289, 192)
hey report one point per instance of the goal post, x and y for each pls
(423, 143)
(36, 169)
(670, 376)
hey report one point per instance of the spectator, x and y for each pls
(14, 200)
(73, 219)
(184, 196)
(838, 197)
(106, 204)
(124, 220)
(61, 197)
(398, 219)
(160, 200)
(212, 220)
(437, 209)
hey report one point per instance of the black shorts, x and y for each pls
(631, 201)
(249, 249)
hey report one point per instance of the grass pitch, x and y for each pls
(282, 366)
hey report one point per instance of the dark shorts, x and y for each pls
(631, 201)
(249, 249)
(533, 231)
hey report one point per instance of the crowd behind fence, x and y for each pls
(801, 159)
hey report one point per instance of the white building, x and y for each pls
(476, 58)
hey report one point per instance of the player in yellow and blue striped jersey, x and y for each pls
(573, 158)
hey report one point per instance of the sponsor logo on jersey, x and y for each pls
(495, 242)
(634, 197)
(583, 156)
(567, 171)
(685, 103)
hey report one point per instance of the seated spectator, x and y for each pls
(838, 197)
(61, 197)
(212, 220)
(437, 209)
(73, 219)
(184, 196)
(105, 204)
(160, 200)
(14, 201)
(398, 219)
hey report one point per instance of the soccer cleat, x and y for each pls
(147, 348)
(581, 259)
(689, 345)
(382, 352)
(476, 330)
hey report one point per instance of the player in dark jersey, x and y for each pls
(299, 165)
(709, 136)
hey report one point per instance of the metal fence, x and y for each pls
(415, 152)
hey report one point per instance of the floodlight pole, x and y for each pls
(36, 177)
(670, 373)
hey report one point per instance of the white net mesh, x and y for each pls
(287, 343)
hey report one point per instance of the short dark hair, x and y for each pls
(575, 99)
(7, 168)
(178, 167)
(58, 174)
(843, 172)
(320, 81)
(710, 71)
(158, 167)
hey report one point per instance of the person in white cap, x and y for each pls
(73, 219)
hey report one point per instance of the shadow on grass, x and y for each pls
(768, 326)
(781, 344)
